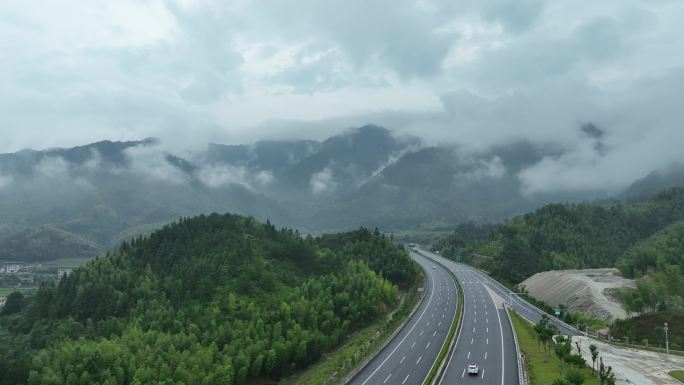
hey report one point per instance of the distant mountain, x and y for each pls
(635, 237)
(654, 182)
(109, 191)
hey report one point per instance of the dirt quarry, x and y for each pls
(589, 291)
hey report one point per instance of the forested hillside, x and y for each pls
(562, 236)
(216, 299)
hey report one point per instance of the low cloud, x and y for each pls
(222, 176)
(492, 168)
(322, 181)
(151, 162)
(5, 181)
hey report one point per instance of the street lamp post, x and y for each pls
(667, 344)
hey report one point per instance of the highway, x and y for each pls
(521, 306)
(486, 338)
(408, 358)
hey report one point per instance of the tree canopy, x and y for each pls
(216, 299)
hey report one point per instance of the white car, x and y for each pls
(434, 267)
(473, 369)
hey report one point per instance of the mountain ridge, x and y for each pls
(363, 176)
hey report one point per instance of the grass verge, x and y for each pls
(678, 375)
(539, 371)
(335, 366)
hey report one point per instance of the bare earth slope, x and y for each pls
(588, 291)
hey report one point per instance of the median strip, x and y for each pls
(439, 367)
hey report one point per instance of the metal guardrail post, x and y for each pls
(522, 377)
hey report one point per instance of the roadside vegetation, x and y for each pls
(338, 364)
(219, 299)
(554, 362)
(678, 375)
(575, 236)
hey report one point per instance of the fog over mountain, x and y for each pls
(494, 107)
(86, 199)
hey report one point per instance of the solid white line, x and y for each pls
(502, 348)
(432, 292)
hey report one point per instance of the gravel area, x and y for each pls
(590, 291)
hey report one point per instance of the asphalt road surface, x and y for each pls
(410, 356)
(486, 338)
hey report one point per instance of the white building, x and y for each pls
(13, 268)
(62, 272)
(2, 301)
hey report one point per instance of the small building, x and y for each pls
(28, 280)
(2, 301)
(63, 272)
(13, 268)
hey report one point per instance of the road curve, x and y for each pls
(490, 345)
(408, 358)
(486, 338)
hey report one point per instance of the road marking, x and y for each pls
(485, 355)
(427, 346)
(421, 332)
(414, 344)
(419, 358)
(502, 347)
(406, 378)
(463, 375)
(471, 340)
(468, 355)
(402, 359)
(432, 292)
(433, 334)
(483, 376)
(487, 341)
(390, 375)
(440, 323)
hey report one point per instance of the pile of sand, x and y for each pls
(588, 291)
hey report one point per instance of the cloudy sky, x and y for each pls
(473, 72)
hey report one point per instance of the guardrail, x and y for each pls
(595, 334)
(440, 364)
(522, 373)
(389, 339)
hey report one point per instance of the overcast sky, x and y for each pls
(473, 72)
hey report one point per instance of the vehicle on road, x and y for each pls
(473, 369)
(434, 267)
